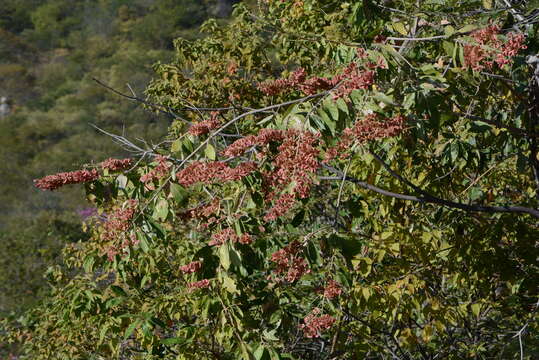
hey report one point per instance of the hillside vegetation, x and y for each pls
(50, 52)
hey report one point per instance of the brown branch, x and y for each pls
(427, 198)
(157, 107)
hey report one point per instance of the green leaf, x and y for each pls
(476, 309)
(174, 341)
(224, 256)
(161, 233)
(179, 193)
(262, 353)
(399, 27)
(121, 181)
(343, 106)
(468, 28)
(331, 108)
(210, 152)
(329, 124)
(88, 264)
(386, 99)
(161, 210)
(118, 290)
(176, 146)
(230, 285)
(143, 243)
(131, 328)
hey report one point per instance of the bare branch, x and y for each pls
(157, 107)
(430, 199)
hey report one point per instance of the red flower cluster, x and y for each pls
(350, 79)
(222, 237)
(370, 128)
(296, 162)
(205, 126)
(490, 50)
(213, 172)
(202, 284)
(202, 211)
(229, 235)
(158, 172)
(53, 182)
(118, 221)
(280, 207)
(332, 289)
(245, 239)
(264, 137)
(314, 325)
(116, 226)
(289, 263)
(191, 267)
(116, 164)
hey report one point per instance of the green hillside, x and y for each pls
(50, 52)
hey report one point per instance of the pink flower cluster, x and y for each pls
(352, 78)
(288, 262)
(222, 237)
(191, 267)
(53, 182)
(264, 137)
(280, 207)
(116, 164)
(205, 126)
(213, 172)
(160, 171)
(296, 162)
(370, 128)
(229, 234)
(332, 289)
(118, 220)
(202, 211)
(202, 284)
(116, 226)
(314, 325)
(490, 50)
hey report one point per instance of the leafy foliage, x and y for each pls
(357, 189)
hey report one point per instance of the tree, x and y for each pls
(341, 180)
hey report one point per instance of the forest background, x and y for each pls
(50, 52)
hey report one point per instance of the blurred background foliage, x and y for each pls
(50, 51)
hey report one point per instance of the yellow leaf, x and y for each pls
(400, 28)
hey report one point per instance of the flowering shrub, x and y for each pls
(490, 49)
(53, 182)
(160, 171)
(204, 127)
(117, 164)
(352, 78)
(314, 325)
(370, 204)
(191, 267)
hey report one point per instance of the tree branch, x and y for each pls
(157, 107)
(430, 199)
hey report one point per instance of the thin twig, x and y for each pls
(157, 107)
